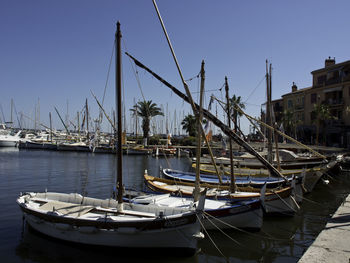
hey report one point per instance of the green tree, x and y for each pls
(322, 113)
(146, 110)
(235, 113)
(189, 124)
(289, 122)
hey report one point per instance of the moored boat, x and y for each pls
(280, 200)
(218, 214)
(10, 140)
(92, 221)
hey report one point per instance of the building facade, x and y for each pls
(330, 88)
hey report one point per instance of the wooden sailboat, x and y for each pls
(85, 220)
(309, 176)
(280, 200)
(218, 214)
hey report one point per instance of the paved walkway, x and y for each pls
(333, 243)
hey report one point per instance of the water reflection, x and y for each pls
(36, 247)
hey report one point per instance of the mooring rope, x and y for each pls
(241, 230)
(212, 241)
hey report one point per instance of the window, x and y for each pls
(313, 98)
(313, 115)
(321, 79)
(290, 104)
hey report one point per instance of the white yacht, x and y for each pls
(9, 140)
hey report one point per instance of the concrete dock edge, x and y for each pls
(333, 243)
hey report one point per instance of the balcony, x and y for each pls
(334, 123)
(332, 81)
(299, 107)
(334, 102)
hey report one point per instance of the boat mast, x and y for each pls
(199, 137)
(233, 179)
(189, 96)
(66, 128)
(78, 121)
(268, 113)
(274, 132)
(87, 120)
(136, 116)
(118, 93)
(50, 127)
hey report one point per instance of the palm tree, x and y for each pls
(236, 101)
(189, 124)
(146, 110)
(322, 114)
(288, 121)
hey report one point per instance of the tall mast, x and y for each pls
(39, 113)
(11, 113)
(50, 127)
(35, 113)
(233, 179)
(78, 123)
(135, 120)
(268, 113)
(199, 137)
(87, 119)
(118, 92)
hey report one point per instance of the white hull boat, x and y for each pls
(91, 221)
(9, 140)
(218, 214)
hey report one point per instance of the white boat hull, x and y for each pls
(4, 143)
(123, 237)
(251, 220)
(99, 222)
(279, 205)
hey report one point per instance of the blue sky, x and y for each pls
(57, 51)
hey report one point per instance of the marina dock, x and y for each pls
(333, 243)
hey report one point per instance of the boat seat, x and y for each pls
(66, 209)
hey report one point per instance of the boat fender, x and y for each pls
(54, 212)
(325, 181)
(199, 235)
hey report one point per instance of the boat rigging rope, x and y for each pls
(206, 215)
(255, 89)
(279, 132)
(283, 201)
(137, 77)
(212, 241)
(136, 74)
(109, 69)
(190, 79)
(242, 230)
(309, 200)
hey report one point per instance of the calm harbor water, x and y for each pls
(281, 239)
